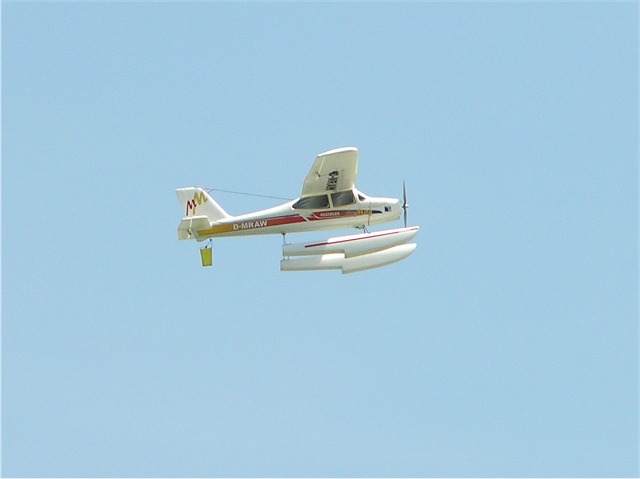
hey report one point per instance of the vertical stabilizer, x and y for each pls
(197, 202)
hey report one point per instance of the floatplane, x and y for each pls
(329, 200)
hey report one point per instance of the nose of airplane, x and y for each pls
(396, 208)
(390, 207)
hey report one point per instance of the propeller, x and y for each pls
(405, 205)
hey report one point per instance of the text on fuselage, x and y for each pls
(247, 225)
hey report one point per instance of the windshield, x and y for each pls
(343, 198)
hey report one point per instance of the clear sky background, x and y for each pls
(506, 345)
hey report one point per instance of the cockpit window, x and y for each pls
(343, 198)
(361, 197)
(312, 202)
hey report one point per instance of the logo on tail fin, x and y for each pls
(198, 199)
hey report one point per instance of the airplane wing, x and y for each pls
(333, 171)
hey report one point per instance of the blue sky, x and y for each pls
(506, 345)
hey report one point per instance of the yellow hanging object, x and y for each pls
(206, 254)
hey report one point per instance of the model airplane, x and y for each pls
(329, 200)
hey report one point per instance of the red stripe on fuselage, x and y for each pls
(285, 220)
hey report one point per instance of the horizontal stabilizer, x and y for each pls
(348, 265)
(190, 225)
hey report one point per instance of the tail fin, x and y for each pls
(197, 202)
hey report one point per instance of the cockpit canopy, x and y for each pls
(342, 198)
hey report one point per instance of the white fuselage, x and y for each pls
(322, 212)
